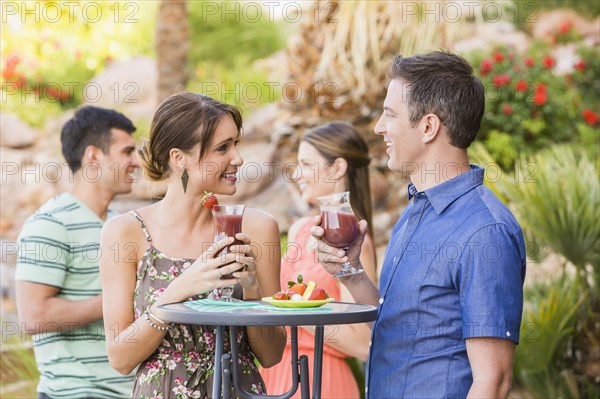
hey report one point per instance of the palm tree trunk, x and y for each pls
(172, 44)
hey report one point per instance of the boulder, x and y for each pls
(29, 178)
(51, 139)
(17, 170)
(129, 85)
(591, 30)
(14, 133)
(550, 22)
(275, 65)
(489, 34)
(275, 199)
(380, 188)
(262, 167)
(145, 190)
(259, 125)
(8, 252)
(7, 286)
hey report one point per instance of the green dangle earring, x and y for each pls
(184, 180)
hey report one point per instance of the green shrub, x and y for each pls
(549, 321)
(240, 84)
(227, 38)
(17, 364)
(34, 111)
(586, 78)
(496, 179)
(221, 31)
(555, 196)
(558, 200)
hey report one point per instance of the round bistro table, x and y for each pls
(226, 364)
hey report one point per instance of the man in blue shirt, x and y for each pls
(451, 288)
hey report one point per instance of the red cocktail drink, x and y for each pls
(228, 223)
(341, 228)
(227, 226)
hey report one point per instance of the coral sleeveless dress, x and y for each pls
(338, 381)
(182, 365)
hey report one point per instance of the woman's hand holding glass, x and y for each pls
(205, 274)
(246, 276)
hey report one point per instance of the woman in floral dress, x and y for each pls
(165, 253)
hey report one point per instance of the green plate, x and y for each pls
(296, 304)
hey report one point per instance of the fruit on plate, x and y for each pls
(298, 287)
(281, 296)
(318, 294)
(309, 289)
(300, 291)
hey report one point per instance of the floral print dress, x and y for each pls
(183, 365)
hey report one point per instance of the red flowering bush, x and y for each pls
(529, 107)
(590, 117)
(564, 33)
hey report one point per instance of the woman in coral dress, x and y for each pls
(332, 158)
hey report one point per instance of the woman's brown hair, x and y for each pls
(182, 121)
(341, 140)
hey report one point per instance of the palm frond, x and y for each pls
(556, 196)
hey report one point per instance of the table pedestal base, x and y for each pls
(226, 367)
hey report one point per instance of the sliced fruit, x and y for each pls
(297, 297)
(209, 200)
(298, 288)
(318, 294)
(281, 296)
(309, 289)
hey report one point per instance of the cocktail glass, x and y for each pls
(228, 222)
(340, 225)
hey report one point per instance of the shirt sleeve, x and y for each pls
(43, 251)
(492, 271)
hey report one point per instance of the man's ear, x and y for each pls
(431, 127)
(91, 154)
(340, 167)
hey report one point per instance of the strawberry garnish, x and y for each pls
(281, 296)
(209, 200)
(318, 294)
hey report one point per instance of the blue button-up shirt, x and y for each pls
(454, 269)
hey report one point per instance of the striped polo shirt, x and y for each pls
(59, 246)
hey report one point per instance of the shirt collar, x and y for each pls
(447, 192)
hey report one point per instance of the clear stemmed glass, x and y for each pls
(340, 225)
(228, 222)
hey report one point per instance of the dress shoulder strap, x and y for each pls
(144, 229)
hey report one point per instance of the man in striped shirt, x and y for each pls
(58, 284)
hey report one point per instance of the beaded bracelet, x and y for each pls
(161, 328)
(152, 315)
